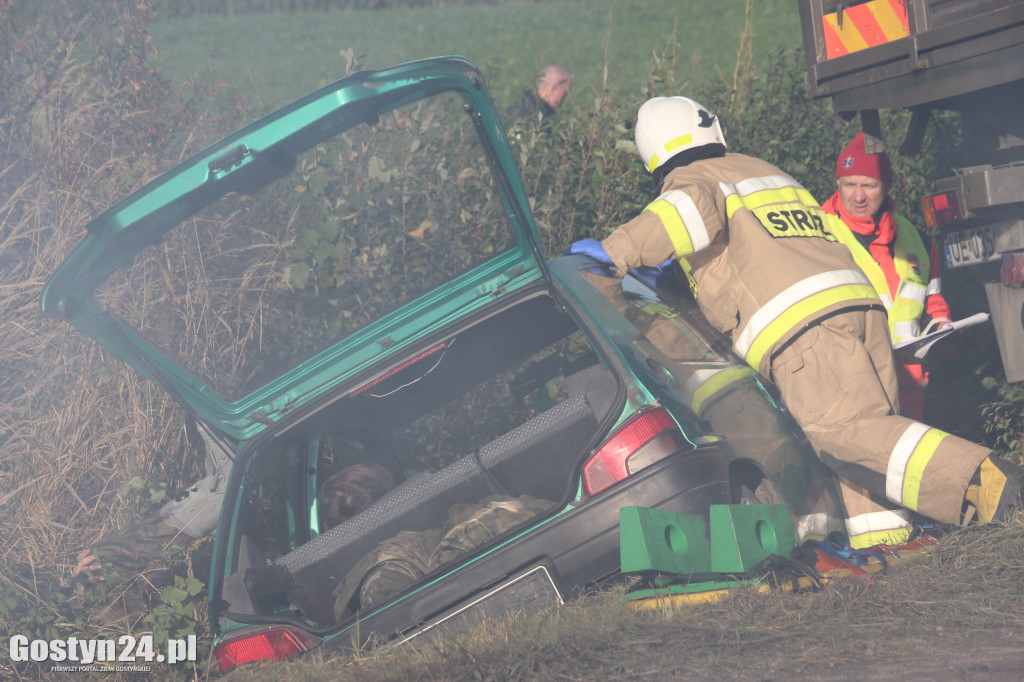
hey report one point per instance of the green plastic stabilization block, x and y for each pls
(743, 535)
(656, 540)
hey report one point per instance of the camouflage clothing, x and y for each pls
(139, 547)
(410, 555)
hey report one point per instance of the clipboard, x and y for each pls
(917, 347)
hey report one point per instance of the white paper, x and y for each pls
(919, 346)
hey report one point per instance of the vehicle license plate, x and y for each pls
(527, 593)
(971, 246)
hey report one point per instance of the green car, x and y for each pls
(357, 279)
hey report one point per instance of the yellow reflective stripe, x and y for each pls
(653, 163)
(771, 189)
(895, 537)
(682, 221)
(890, 23)
(673, 225)
(796, 302)
(849, 35)
(907, 462)
(915, 468)
(872, 522)
(678, 142)
(792, 317)
(705, 384)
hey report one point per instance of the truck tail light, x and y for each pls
(943, 208)
(1012, 270)
(649, 436)
(272, 644)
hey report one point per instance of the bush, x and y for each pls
(229, 7)
(83, 120)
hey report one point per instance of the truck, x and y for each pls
(924, 56)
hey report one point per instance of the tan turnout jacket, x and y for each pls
(757, 248)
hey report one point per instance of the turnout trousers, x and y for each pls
(838, 379)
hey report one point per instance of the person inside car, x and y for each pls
(410, 555)
(352, 489)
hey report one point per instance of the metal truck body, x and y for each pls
(926, 55)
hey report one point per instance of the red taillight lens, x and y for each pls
(1012, 270)
(279, 644)
(942, 208)
(648, 437)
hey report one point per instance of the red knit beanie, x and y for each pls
(855, 161)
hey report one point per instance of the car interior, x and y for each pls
(487, 409)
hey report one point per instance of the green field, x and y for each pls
(277, 57)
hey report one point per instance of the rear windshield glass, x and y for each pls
(364, 223)
(437, 459)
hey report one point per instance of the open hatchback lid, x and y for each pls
(304, 248)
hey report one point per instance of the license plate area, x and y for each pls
(526, 593)
(970, 247)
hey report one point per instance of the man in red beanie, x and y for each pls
(902, 265)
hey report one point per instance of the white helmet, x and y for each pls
(666, 126)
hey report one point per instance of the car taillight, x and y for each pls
(943, 208)
(275, 644)
(646, 438)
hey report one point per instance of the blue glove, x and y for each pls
(589, 247)
(660, 277)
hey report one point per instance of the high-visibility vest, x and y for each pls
(906, 308)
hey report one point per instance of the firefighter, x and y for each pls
(767, 270)
(902, 266)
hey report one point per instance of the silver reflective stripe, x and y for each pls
(692, 220)
(873, 522)
(905, 330)
(751, 185)
(898, 459)
(789, 297)
(934, 286)
(813, 526)
(913, 292)
(886, 301)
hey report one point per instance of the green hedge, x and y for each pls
(229, 7)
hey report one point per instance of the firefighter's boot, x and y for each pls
(995, 491)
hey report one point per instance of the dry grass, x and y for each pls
(941, 617)
(75, 423)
